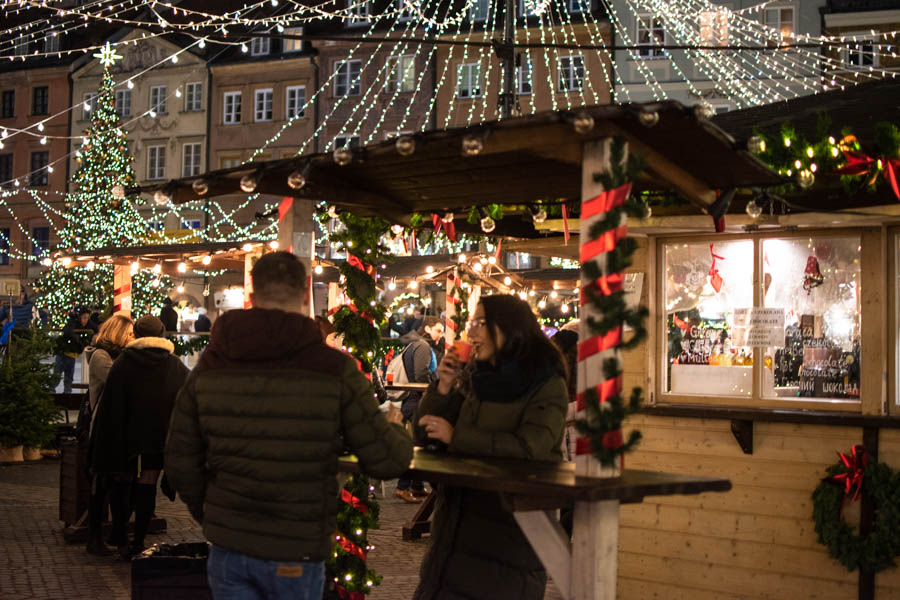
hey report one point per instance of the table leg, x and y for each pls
(595, 544)
(420, 522)
(551, 544)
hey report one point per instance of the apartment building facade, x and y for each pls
(861, 24)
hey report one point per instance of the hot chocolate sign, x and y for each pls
(758, 326)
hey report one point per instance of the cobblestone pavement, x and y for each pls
(36, 564)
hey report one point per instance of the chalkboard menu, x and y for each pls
(827, 370)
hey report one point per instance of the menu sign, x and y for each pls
(824, 373)
(758, 326)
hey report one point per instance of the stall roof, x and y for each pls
(523, 160)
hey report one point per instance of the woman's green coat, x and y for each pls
(477, 550)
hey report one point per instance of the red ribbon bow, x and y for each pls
(351, 548)
(449, 228)
(853, 478)
(353, 501)
(354, 261)
(715, 280)
(343, 593)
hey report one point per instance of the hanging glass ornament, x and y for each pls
(753, 209)
(472, 145)
(646, 211)
(540, 216)
(583, 122)
(200, 187)
(405, 145)
(343, 156)
(488, 225)
(648, 118)
(248, 183)
(397, 229)
(805, 179)
(704, 110)
(161, 198)
(332, 212)
(756, 144)
(118, 192)
(296, 180)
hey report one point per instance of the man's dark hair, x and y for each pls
(278, 276)
(429, 321)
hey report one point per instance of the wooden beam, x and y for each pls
(551, 544)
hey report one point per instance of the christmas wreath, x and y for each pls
(853, 477)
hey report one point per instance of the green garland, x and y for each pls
(873, 552)
(189, 345)
(607, 418)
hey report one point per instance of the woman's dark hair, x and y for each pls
(524, 340)
(428, 321)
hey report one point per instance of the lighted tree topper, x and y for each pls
(95, 219)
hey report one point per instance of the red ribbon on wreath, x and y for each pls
(354, 261)
(343, 593)
(852, 480)
(715, 279)
(353, 501)
(858, 163)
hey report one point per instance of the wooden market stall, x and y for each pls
(758, 540)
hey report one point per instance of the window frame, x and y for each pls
(845, 51)
(348, 77)
(870, 322)
(160, 106)
(45, 92)
(395, 67)
(268, 105)
(299, 107)
(479, 11)
(348, 144)
(52, 42)
(20, 47)
(645, 52)
(11, 94)
(5, 245)
(155, 171)
(359, 12)
(574, 6)
(38, 176)
(285, 42)
(572, 70)
(260, 46)
(470, 68)
(126, 93)
(36, 240)
(235, 116)
(88, 99)
(779, 7)
(520, 76)
(196, 155)
(193, 93)
(403, 14)
(9, 176)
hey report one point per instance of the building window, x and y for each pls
(579, 6)
(21, 46)
(232, 108)
(89, 102)
(292, 45)
(781, 19)
(8, 104)
(156, 225)
(468, 80)
(260, 46)
(263, 104)
(158, 99)
(40, 100)
(860, 54)
(403, 11)
(478, 10)
(524, 73)
(38, 174)
(190, 159)
(6, 168)
(649, 31)
(229, 161)
(193, 97)
(519, 260)
(714, 28)
(294, 101)
(4, 246)
(51, 42)
(530, 8)
(40, 241)
(346, 141)
(571, 73)
(156, 162)
(123, 103)
(192, 224)
(359, 12)
(402, 73)
(346, 78)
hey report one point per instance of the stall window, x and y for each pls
(704, 285)
(815, 281)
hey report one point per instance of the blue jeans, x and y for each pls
(236, 576)
(65, 366)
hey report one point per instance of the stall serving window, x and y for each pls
(761, 320)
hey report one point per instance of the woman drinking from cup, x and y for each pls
(508, 402)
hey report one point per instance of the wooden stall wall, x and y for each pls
(757, 541)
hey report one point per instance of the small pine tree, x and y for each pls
(96, 219)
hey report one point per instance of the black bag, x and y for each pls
(83, 424)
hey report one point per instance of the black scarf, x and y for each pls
(507, 381)
(112, 349)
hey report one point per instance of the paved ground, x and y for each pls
(36, 564)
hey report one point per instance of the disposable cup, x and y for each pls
(463, 350)
(390, 378)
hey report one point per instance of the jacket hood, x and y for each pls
(106, 346)
(261, 334)
(149, 350)
(410, 337)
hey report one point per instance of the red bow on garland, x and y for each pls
(351, 548)
(852, 480)
(354, 261)
(353, 501)
(859, 164)
(449, 228)
(343, 593)
(365, 315)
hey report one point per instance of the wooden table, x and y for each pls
(583, 569)
(406, 387)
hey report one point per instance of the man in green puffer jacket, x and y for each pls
(256, 433)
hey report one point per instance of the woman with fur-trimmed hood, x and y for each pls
(131, 425)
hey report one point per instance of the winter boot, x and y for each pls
(120, 505)
(144, 505)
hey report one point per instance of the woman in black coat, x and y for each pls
(130, 429)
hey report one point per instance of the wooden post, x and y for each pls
(595, 532)
(122, 289)
(297, 234)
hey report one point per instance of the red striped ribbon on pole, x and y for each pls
(606, 285)
(352, 500)
(605, 391)
(351, 548)
(286, 204)
(605, 201)
(605, 243)
(600, 343)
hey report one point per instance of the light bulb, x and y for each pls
(523, 295)
(583, 122)
(507, 280)
(429, 269)
(248, 183)
(247, 247)
(47, 262)
(151, 114)
(492, 260)
(413, 284)
(202, 44)
(244, 48)
(472, 145)
(405, 145)
(130, 84)
(540, 216)
(343, 156)
(178, 92)
(180, 289)
(553, 294)
(805, 179)
(532, 293)
(44, 141)
(318, 270)
(646, 211)
(478, 267)
(397, 229)
(182, 267)
(542, 304)
(756, 144)
(66, 261)
(206, 260)
(157, 268)
(461, 258)
(296, 180)
(392, 285)
(753, 209)
(154, 283)
(564, 308)
(488, 225)
(118, 192)
(273, 244)
(200, 187)
(135, 267)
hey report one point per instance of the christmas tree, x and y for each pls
(100, 215)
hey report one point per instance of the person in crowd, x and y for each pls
(130, 429)
(94, 321)
(420, 362)
(567, 342)
(253, 444)
(115, 333)
(509, 402)
(69, 346)
(168, 315)
(202, 324)
(22, 313)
